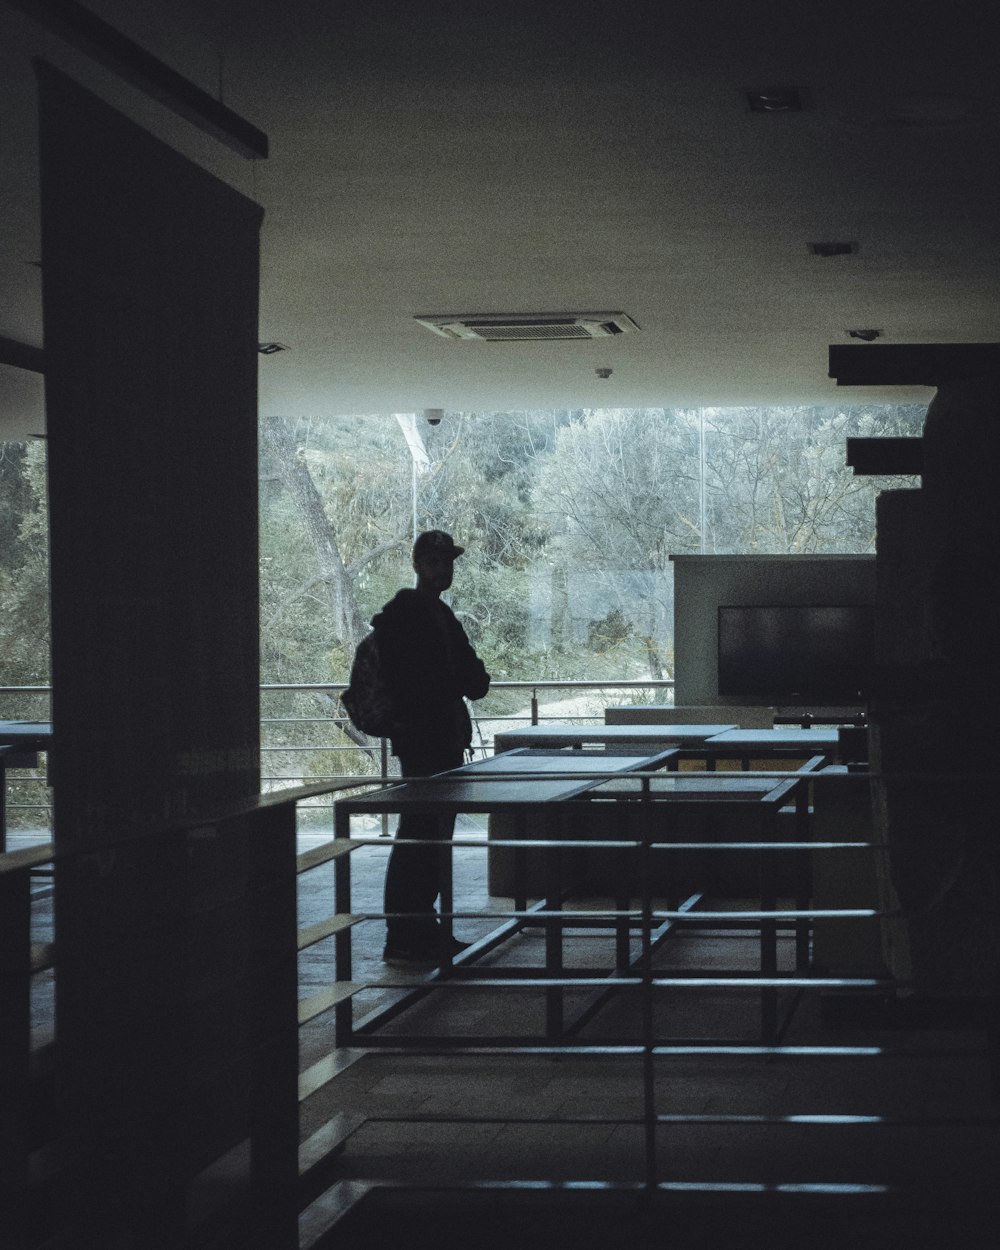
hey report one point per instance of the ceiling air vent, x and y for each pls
(528, 327)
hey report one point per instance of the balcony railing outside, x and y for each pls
(29, 799)
(307, 740)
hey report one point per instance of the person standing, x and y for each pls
(429, 667)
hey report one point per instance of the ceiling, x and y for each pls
(474, 157)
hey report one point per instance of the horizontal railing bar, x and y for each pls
(468, 774)
(570, 844)
(777, 982)
(458, 980)
(515, 1047)
(840, 1188)
(336, 719)
(693, 1118)
(650, 683)
(524, 1185)
(635, 914)
(26, 858)
(314, 933)
(316, 1004)
(342, 744)
(323, 854)
(530, 1048)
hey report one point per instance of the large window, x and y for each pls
(569, 519)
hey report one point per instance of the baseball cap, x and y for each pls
(437, 543)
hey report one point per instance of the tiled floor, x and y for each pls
(434, 1120)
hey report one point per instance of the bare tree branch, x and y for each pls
(297, 480)
(297, 593)
(391, 544)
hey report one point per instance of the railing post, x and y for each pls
(534, 706)
(384, 765)
(647, 991)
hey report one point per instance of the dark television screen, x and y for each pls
(796, 653)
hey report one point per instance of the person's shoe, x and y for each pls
(423, 954)
(398, 956)
(452, 946)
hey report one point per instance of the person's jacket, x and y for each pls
(429, 665)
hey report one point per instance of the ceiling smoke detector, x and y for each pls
(527, 327)
(832, 249)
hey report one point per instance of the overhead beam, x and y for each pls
(21, 355)
(912, 364)
(109, 47)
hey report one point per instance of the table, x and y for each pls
(558, 735)
(542, 783)
(516, 876)
(783, 742)
(540, 761)
(667, 714)
(781, 738)
(29, 736)
(663, 805)
(500, 782)
(557, 787)
(20, 742)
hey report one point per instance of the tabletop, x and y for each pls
(540, 777)
(25, 733)
(605, 735)
(528, 761)
(779, 738)
(697, 788)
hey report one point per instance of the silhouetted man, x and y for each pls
(429, 665)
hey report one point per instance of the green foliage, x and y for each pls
(24, 566)
(609, 632)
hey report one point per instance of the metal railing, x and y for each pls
(642, 922)
(306, 745)
(28, 797)
(371, 758)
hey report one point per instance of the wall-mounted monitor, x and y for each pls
(796, 653)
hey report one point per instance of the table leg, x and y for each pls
(624, 861)
(343, 957)
(553, 933)
(803, 878)
(447, 892)
(648, 1016)
(768, 934)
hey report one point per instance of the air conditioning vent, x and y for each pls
(528, 327)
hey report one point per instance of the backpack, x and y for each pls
(367, 700)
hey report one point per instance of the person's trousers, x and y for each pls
(413, 875)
